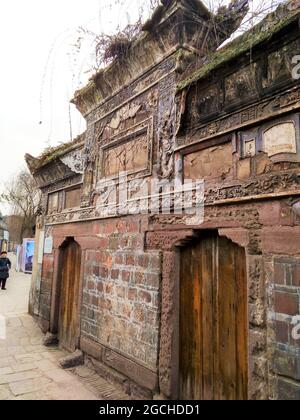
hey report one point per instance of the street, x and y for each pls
(30, 371)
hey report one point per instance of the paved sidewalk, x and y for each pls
(30, 371)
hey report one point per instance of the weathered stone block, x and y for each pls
(257, 342)
(244, 169)
(72, 360)
(257, 314)
(50, 340)
(256, 279)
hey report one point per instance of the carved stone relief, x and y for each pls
(131, 156)
(288, 100)
(241, 85)
(280, 138)
(209, 101)
(73, 160)
(211, 163)
(166, 127)
(129, 151)
(280, 64)
(132, 90)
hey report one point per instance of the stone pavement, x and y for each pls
(30, 371)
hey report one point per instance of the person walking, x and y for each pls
(5, 266)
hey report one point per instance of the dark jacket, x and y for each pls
(5, 265)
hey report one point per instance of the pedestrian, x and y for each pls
(5, 266)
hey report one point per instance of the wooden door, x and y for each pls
(213, 321)
(70, 280)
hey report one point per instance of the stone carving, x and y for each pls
(228, 19)
(69, 182)
(89, 165)
(138, 86)
(73, 160)
(53, 203)
(271, 107)
(166, 127)
(209, 101)
(249, 148)
(129, 150)
(245, 216)
(167, 241)
(89, 152)
(214, 162)
(280, 138)
(285, 182)
(280, 64)
(129, 157)
(241, 85)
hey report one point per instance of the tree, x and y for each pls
(24, 199)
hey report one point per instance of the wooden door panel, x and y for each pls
(68, 319)
(206, 290)
(242, 321)
(226, 322)
(213, 321)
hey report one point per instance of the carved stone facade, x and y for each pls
(234, 125)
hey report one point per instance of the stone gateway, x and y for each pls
(170, 305)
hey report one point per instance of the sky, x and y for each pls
(41, 69)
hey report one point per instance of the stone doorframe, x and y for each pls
(169, 243)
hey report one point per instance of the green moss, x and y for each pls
(52, 153)
(260, 33)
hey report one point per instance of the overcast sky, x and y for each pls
(40, 71)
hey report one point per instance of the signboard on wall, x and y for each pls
(48, 247)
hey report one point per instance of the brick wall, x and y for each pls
(122, 291)
(46, 286)
(286, 309)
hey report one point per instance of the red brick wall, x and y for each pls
(287, 307)
(121, 293)
(121, 286)
(46, 286)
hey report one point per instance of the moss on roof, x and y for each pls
(52, 153)
(263, 31)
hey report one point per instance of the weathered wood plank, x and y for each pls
(213, 321)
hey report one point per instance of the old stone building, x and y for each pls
(181, 304)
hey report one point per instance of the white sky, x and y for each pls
(36, 55)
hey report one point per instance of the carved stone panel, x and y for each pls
(53, 203)
(166, 127)
(137, 87)
(211, 163)
(129, 151)
(131, 156)
(241, 85)
(209, 101)
(271, 107)
(280, 138)
(74, 161)
(72, 198)
(280, 64)
(249, 143)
